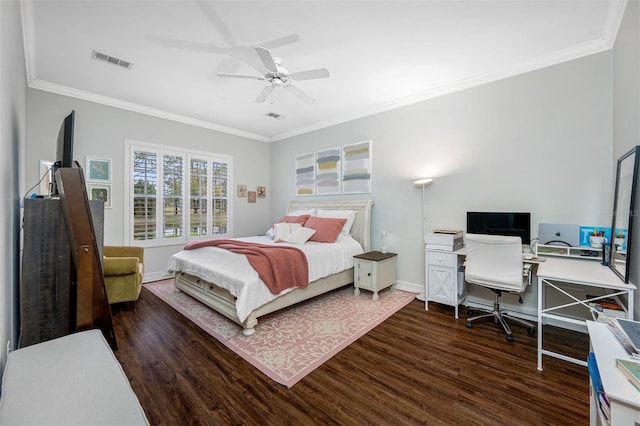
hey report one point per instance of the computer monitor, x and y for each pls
(516, 224)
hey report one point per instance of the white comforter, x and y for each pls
(233, 272)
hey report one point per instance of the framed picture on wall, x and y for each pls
(251, 196)
(100, 192)
(242, 190)
(305, 178)
(356, 168)
(98, 170)
(262, 192)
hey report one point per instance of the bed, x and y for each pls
(215, 284)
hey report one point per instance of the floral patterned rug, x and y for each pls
(291, 343)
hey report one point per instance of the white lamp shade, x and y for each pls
(423, 182)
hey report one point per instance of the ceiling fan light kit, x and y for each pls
(278, 76)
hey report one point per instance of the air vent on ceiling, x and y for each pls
(112, 60)
(276, 116)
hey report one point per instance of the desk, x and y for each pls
(623, 396)
(580, 272)
(443, 284)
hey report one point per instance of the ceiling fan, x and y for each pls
(278, 76)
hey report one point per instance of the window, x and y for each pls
(176, 196)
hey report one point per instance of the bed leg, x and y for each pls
(249, 326)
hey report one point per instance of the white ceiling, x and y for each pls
(381, 54)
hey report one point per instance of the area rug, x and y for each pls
(291, 343)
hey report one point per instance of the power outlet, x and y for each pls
(8, 347)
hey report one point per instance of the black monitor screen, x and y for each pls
(500, 223)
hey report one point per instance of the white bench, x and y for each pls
(72, 380)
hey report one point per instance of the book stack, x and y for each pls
(607, 309)
(628, 334)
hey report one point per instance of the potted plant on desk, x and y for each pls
(618, 240)
(597, 238)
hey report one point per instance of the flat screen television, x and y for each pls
(64, 150)
(516, 224)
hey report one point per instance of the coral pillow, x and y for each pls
(301, 219)
(327, 229)
(295, 219)
(350, 215)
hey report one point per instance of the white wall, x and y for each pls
(538, 142)
(100, 131)
(626, 111)
(12, 140)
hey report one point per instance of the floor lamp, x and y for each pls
(423, 183)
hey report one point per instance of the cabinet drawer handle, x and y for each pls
(369, 274)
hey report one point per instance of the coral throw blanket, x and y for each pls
(279, 267)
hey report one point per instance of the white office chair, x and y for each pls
(495, 262)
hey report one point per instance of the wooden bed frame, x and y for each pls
(223, 302)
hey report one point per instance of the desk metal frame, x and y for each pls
(587, 273)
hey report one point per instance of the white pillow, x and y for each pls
(310, 212)
(350, 215)
(270, 233)
(299, 236)
(283, 229)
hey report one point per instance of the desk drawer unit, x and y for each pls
(440, 258)
(443, 284)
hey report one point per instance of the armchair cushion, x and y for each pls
(123, 272)
(120, 265)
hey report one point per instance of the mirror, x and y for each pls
(623, 213)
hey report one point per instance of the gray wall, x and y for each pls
(626, 110)
(538, 142)
(100, 131)
(12, 141)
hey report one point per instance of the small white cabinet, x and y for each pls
(444, 280)
(374, 271)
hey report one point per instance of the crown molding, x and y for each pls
(130, 106)
(28, 39)
(614, 20)
(554, 58)
(610, 31)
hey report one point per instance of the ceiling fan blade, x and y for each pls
(267, 59)
(293, 38)
(185, 44)
(300, 94)
(310, 75)
(229, 75)
(266, 91)
(218, 23)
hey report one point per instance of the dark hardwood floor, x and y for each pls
(417, 367)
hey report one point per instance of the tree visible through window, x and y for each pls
(159, 179)
(145, 182)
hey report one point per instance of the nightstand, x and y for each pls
(374, 271)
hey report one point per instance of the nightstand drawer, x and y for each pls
(441, 259)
